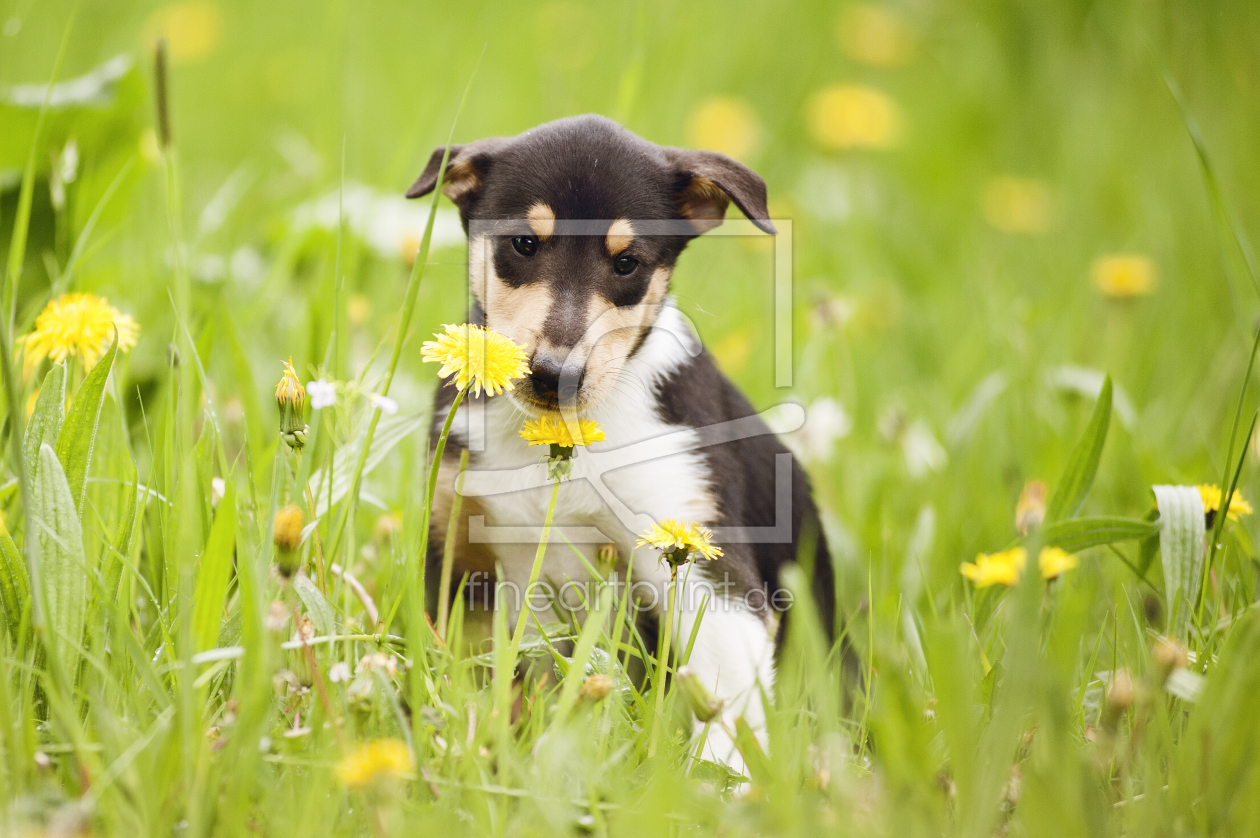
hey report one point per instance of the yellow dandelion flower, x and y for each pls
(192, 29)
(77, 324)
(1002, 568)
(1211, 495)
(677, 541)
(480, 358)
(1123, 276)
(876, 36)
(1018, 204)
(1054, 562)
(384, 759)
(725, 124)
(545, 431)
(848, 116)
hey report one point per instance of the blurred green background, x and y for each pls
(992, 204)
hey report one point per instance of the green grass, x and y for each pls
(981, 712)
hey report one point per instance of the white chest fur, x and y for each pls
(646, 470)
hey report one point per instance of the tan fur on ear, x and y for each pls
(461, 178)
(704, 202)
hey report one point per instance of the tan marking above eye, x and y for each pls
(542, 220)
(620, 236)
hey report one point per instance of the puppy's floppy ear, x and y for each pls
(708, 181)
(465, 170)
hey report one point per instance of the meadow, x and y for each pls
(1023, 297)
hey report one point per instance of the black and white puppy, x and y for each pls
(574, 230)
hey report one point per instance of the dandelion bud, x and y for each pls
(1031, 509)
(703, 703)
(286, 532)
(595, 687)
(1169, 655)
(606, 556)
(1121, 693)
(291, 399)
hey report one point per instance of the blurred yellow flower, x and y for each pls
(479, 358)
(1006, 567)
(1211, 495)
(1124, 275)
(724, 124)
(996, 568)
(384, 759)
(733, 351)
(545, 431)
(358, 309)
(76, 324)
(678, 541)
(192, 29)
(875, 35)
(286, 527)
(1054, 562)
(847, 116)
(1018, 204)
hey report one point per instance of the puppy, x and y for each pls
(574, 229)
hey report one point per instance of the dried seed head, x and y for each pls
(596, 687)
(1169, 655)
(1120, 692)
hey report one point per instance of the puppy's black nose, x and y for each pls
(554, 379)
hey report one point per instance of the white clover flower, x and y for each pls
(339, 672)
(384, 404)
(321, 393)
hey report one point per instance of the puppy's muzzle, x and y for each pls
(555, 381)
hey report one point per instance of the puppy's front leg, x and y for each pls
(734, 657)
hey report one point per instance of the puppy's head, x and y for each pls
(574, 228)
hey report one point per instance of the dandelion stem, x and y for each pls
(662, 660)
(448, 549)
(519, 632)
(429, 491)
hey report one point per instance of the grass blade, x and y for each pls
(46, 419)
(78, 434)
(1077, 478)
(213, 575)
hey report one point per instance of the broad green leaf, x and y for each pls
(319, 609)
(214, 573)
(78, 433)
(15, 588)
(1079, 533)
(46, 419)
(62, 564)
(1077, 478)
(1181, 531)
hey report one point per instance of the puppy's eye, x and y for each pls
(525, 245)
(625, 265)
